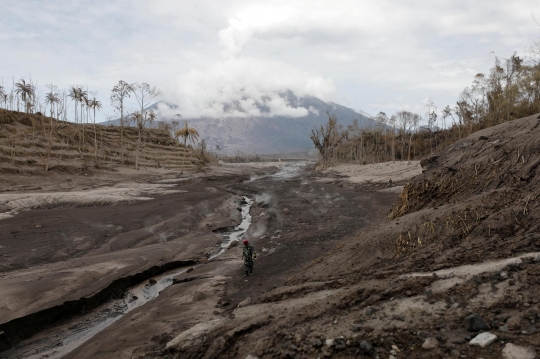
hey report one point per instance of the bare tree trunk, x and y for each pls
(394, 147)
(49, 150)
(184, 159)
(410, 144)
(122, 144)
(95, 138)
(137, 152)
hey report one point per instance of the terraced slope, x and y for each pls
(24, 146)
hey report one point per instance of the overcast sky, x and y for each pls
(369, 55)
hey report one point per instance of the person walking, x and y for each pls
(248, 253)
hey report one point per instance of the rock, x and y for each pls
(393, 352)
(152, 281)
(392, 357)
(232, 244)
(329, 342)
(356, 327)
(476, 323)
(220, 162)
(503, 328)
(39, 226)
(430, 344)
(278, 231)
(264, 250)
(396, 348)
(339, 344)
(511, 351)
(249, 356)
(244, 303)
(503, 275)
(316, 343)
(272, 250)
(398, 317)
(366, 346)
(189, 270)
(203, 260)
(370, 310)
(483, 339)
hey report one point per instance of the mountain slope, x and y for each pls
(266, 133)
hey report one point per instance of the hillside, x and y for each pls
(458, 255)
(24, 144)
(265, 134)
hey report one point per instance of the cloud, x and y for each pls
(220, 58)
(253, 86)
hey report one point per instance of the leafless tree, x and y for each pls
(144, 94)
(120, 92)
(407, 123)
(326, 139)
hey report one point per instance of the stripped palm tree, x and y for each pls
(83, 99)
(26, 92)
(187, 133)
(51, 99)
(74, 94)
(95, 105)
(151, 116)
(3, 95)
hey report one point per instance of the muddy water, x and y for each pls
(59, 341)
